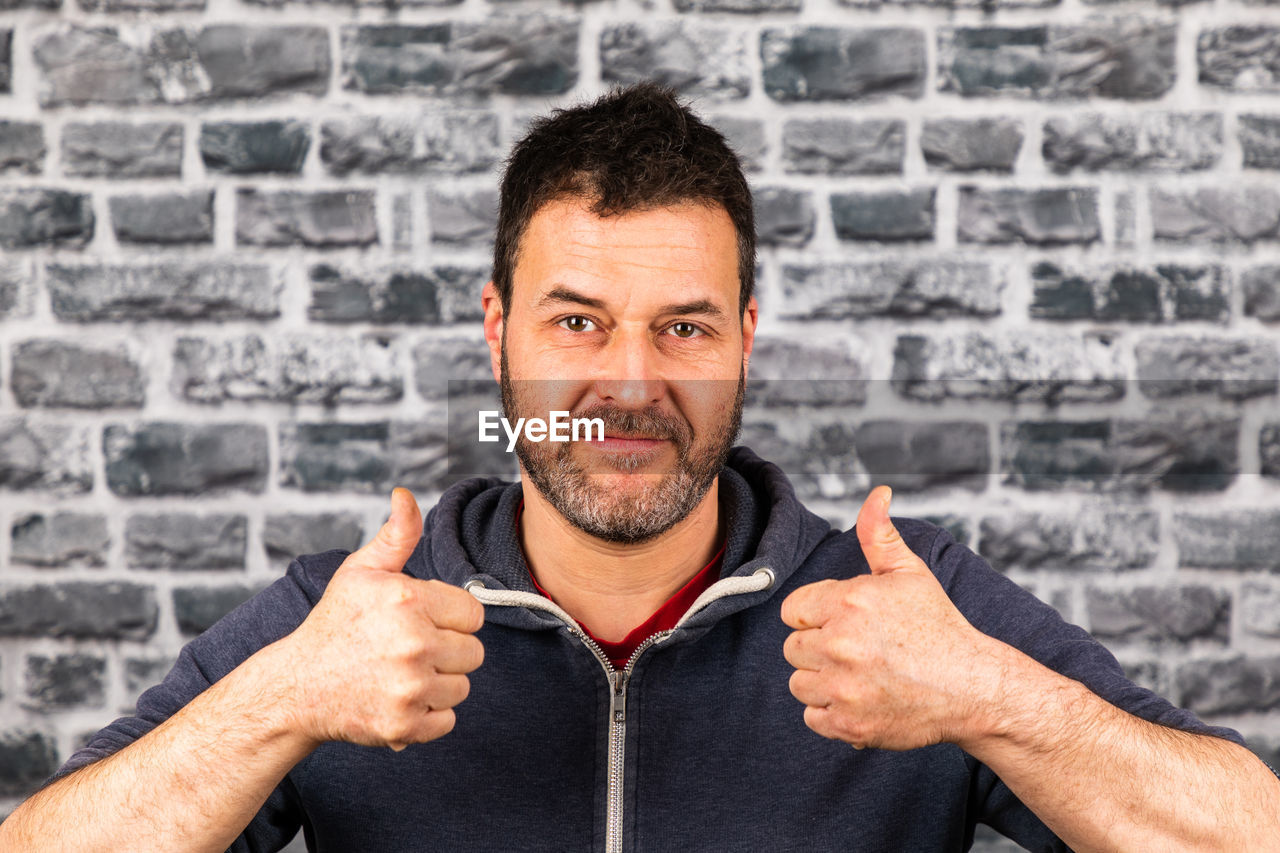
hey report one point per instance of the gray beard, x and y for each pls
(604, 513)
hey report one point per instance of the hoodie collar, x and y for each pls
(471, 532)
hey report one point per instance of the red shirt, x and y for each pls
(663, 619)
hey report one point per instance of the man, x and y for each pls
(654, 606)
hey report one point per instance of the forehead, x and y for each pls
(565, 243)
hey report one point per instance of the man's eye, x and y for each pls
(685, 330)
(577, 324)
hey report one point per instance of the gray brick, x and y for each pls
(65, 681)
(449, 142)
(1215, 214)
(198, 607)
(253, 62)
(971, 145)
(462, 216)
(1106, 539)
(784, 216)
(79, 610)
(1231, 368)
(887, 215)
(52, 373)
(118, 149)
(1269, 449)
(26, 759)
(174, 290)
(60, 539)
(1164, 293)
(1159, 141)
(985, 5)
(695, 57)
(17, 289)
(442, 294)
(1261, 286)
(1260, 609)
(931, 288)
(365, 457)
(141, 5)
(31, 216)
(185, 541)
(1240, 58)
(1129, 58)
(6, 61)
(842, 147)
(80, 65)
(142, 673)
(1126, 219)
(913, 456)
(1234, 685)
(8, 5)
(742, 6)
(746, 137)
(166, 218)
(1241, 539)
(807, 63)
(1259, 137)
(1160, 614)
(290, 535)
(323, 218)
(158, 458)
(290, 368)
(1023, 365)
(516, 55)
(41, 455)
(22, 147)
(318, 457)
(787, 373)
(255, 147)
(1182, 452)
(439, 361)
(818, 456)
(1038, 216)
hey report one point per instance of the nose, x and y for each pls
(627, 370)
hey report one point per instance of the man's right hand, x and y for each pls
(383, 658)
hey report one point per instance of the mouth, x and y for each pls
(628, 444)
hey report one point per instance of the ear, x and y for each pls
(493, 319)
(750, 318)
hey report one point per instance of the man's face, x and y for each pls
(632, 319)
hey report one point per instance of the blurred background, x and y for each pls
(1030, 250)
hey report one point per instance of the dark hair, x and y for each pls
(632, 149)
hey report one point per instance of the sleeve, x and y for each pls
(1000, 608)
(268, 616)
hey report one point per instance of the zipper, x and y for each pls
(761, 579)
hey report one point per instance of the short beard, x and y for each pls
(632, 518)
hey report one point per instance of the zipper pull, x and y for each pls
(618, 702)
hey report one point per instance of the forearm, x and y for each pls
(1103, 779)
(193, 783)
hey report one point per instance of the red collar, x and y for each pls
(663, 619)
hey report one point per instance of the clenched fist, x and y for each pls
(383, 658)
(885, 659)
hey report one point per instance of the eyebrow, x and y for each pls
(561, 294)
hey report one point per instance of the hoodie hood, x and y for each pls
(470, 534)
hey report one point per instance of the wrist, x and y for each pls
(275, 676)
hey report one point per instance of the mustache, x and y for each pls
(649, 422)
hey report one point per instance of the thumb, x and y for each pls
(881, 543)
(395, 540)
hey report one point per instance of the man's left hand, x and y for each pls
(885, 659)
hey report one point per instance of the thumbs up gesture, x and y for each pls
(885, 659)
(383, 658)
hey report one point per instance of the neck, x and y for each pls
(608, 587)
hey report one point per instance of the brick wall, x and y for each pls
(1030, 249)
